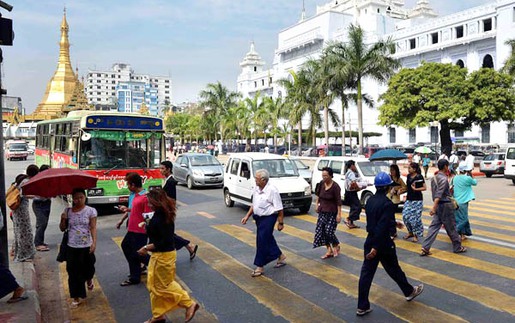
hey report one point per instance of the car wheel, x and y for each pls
(227, 199)
(189, 182)
(365, 197)
(488, 175)
(513, 181)
(305, 208)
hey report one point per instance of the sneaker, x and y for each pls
(361, 312)
(416, 291)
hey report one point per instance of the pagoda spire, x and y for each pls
(61, 86)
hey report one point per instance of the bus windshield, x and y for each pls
(120, 149)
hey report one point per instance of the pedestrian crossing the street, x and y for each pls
(477, 286)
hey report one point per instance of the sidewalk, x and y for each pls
(26, 311)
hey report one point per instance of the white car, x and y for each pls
(239, 180)
(509, 170)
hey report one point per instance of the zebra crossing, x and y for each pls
(477, 286)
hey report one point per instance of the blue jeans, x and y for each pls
(42, 211)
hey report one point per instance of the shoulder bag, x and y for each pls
(63, 248)
(13, 197)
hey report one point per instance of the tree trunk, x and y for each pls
(445, 137)
(360, 118)
(343, 129)
(300, 136)
(275, 143)
(326, 125)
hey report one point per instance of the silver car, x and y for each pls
(493, 164)
(198, 170)
(303, 169)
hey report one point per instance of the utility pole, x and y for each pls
(6, 38)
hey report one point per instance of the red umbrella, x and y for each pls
(58, 181)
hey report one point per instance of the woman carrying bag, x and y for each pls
(81, 222)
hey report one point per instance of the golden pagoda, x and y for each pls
(61, 88)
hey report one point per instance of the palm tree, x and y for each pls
(358, 60)
(166, 108)
(274, 107)
(509, 65)
(216, 99)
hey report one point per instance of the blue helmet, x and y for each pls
(382, 179)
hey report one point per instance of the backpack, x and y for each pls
(13, 197)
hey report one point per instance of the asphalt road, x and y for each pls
(477, 286)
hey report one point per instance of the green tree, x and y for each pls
(445, 93)
(177, 124)
(276, 111)
(509, 65)
(166, 108)
(358, 61)
(216, 99)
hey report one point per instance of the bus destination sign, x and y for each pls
(123, 122)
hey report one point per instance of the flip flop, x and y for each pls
(461, 250)
(257, 273)
(425, 252)
(128, 282)
(90, 285)
(280, 264)
(194, 253)
(18, 299)
(326, 256)
(42, 248)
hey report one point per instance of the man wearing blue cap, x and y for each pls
(379, 246)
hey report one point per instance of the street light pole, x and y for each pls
(4, 254)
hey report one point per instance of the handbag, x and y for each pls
(13, 197)
(63, 248)
(454, 203)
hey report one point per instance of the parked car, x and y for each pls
(509, 170)
(303, 169)
(367, 170)
(493, 164)
(197, 169)
(239, 180)
(16, 149)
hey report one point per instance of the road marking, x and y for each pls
(509, 203)
(347, 283)
(96, 300)
(485, 295)
(494, 225)
(458, 259)
(281, 301)
(491, 217)
(207, 215)
(180, 203)
(493, 204)
(475, 208)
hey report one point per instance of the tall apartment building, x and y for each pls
(101, 86)
(132, 95)
(472, 38)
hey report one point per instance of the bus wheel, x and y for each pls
(189, 182)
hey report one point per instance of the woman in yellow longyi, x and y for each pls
(165, 293)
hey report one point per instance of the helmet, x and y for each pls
(382, 179)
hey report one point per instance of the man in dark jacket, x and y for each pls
(170, 188)
(379, 246)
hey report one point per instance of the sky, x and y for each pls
(195, 42)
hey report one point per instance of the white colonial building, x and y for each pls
(473, 38)
(101, 86)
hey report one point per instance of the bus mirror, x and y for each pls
(85, 136)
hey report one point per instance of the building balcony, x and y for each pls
(300, 41)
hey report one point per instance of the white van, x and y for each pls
(509, 168)
(239, 180)
(367, 170)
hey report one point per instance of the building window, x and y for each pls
(459, 32)
(255, 84)
(270, 80)
(167, 81)
(392, 135)
(412, 43)
(488, 61)
(99, 75)
(513, 15)
(255, 68)
(458, 133)
(460, 63)
(511, 133)
(378, 10)
(412, 135)
(434, 135)
(487, 24)
(485, 134)
(263, 82)
(166, 86)
(434, 38)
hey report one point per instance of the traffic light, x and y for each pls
(6, 32)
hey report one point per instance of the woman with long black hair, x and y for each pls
(165, 293)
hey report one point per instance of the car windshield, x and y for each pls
(372, 168)
(299, 164)
(276, 167)
(492, 157)
(204, 160)
(18, 147)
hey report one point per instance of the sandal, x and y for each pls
(425, 252)
(75, 304)
(42, 248)
(327, 256)
(280, 264)
(193, 254)
(336, 251)
(461, 250)
(257, 273)
(408, 236)
(17, 299)
(128, 282)
(90, 284)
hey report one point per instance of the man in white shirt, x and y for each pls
(266, 209)
(453, 162)
(470, 161)
(416, 158)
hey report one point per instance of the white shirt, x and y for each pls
(454, 159)
(470, 161)
(267, 201)
(416, 159)
(443, 156)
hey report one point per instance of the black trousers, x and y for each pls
(180, 242)
(354, 204)
(80, 265)
(131, 243)
(388, 259)
(7, 281)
